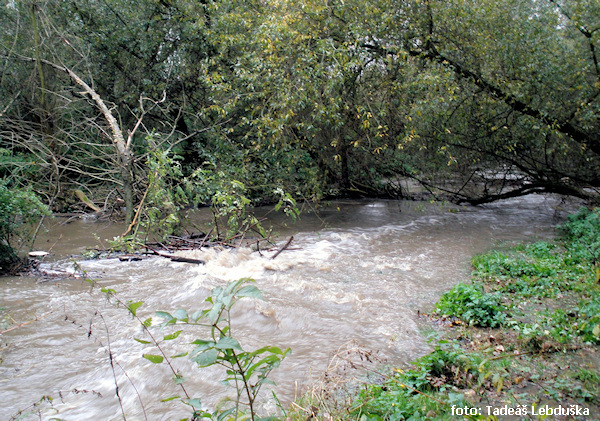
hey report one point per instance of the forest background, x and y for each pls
(146, 108)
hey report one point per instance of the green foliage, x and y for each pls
(19, 208)
(582, 234)
(470, 303)
(246, 371)
(230, 203)
(534, 270)
(316, 99)
(125, 243)
(501, 266)
(426, 391)
(160, 211)
(527, 273)
(165, 198)
(288, 204)
(439, 369)
(395, 402)
(588, 320)
(567, 324)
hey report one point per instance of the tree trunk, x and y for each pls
(345, 171)
(124, 154)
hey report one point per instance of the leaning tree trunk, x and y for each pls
(123, 148)
(124, 155)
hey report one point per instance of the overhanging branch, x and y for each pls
(527, 189)
(565, 127)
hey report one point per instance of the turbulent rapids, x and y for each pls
(363, 276)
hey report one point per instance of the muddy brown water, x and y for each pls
(362, 276)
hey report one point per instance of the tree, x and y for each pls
(57, 132)
(526, 98)
(478, 100)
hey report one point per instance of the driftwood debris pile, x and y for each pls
(198, 240)
(166, 249)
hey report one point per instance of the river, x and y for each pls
(359, 271)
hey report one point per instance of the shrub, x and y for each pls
(582, 234)
(425, 392)
(471, 304)
(247, 371)
(18, 209)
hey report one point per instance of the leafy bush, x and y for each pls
(425, 392)
(18, 209)
(164, 197)
(440, 369)
(582, 234)
(471, 304)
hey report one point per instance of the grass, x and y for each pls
(523, 333)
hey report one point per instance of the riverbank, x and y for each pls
(518, 342)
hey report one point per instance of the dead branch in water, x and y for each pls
(24, 323)
(177, 258)
(286, 245)
(185, 259)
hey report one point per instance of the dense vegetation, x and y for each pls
(481, 99)
(19, 208)
(144, 109)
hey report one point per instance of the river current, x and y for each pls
(358, 272)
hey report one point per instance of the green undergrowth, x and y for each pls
(522, 334)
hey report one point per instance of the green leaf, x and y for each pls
(269, 362)
(148, 322)
(178, 379)
(169, 399)
(181, 315)
(272, 350)
(206, 358)
(250, 291)
(194, 403)
(164, 315)
(198, 314)
(223, 415)
(183, 354)
(156, 359)
(265, 380)
(141, 341)
(172, 335)
(203, 344)
(215, 312)
(596, 331)
(228, 343)
(168, 318)
(134, 306)
(108, 291)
